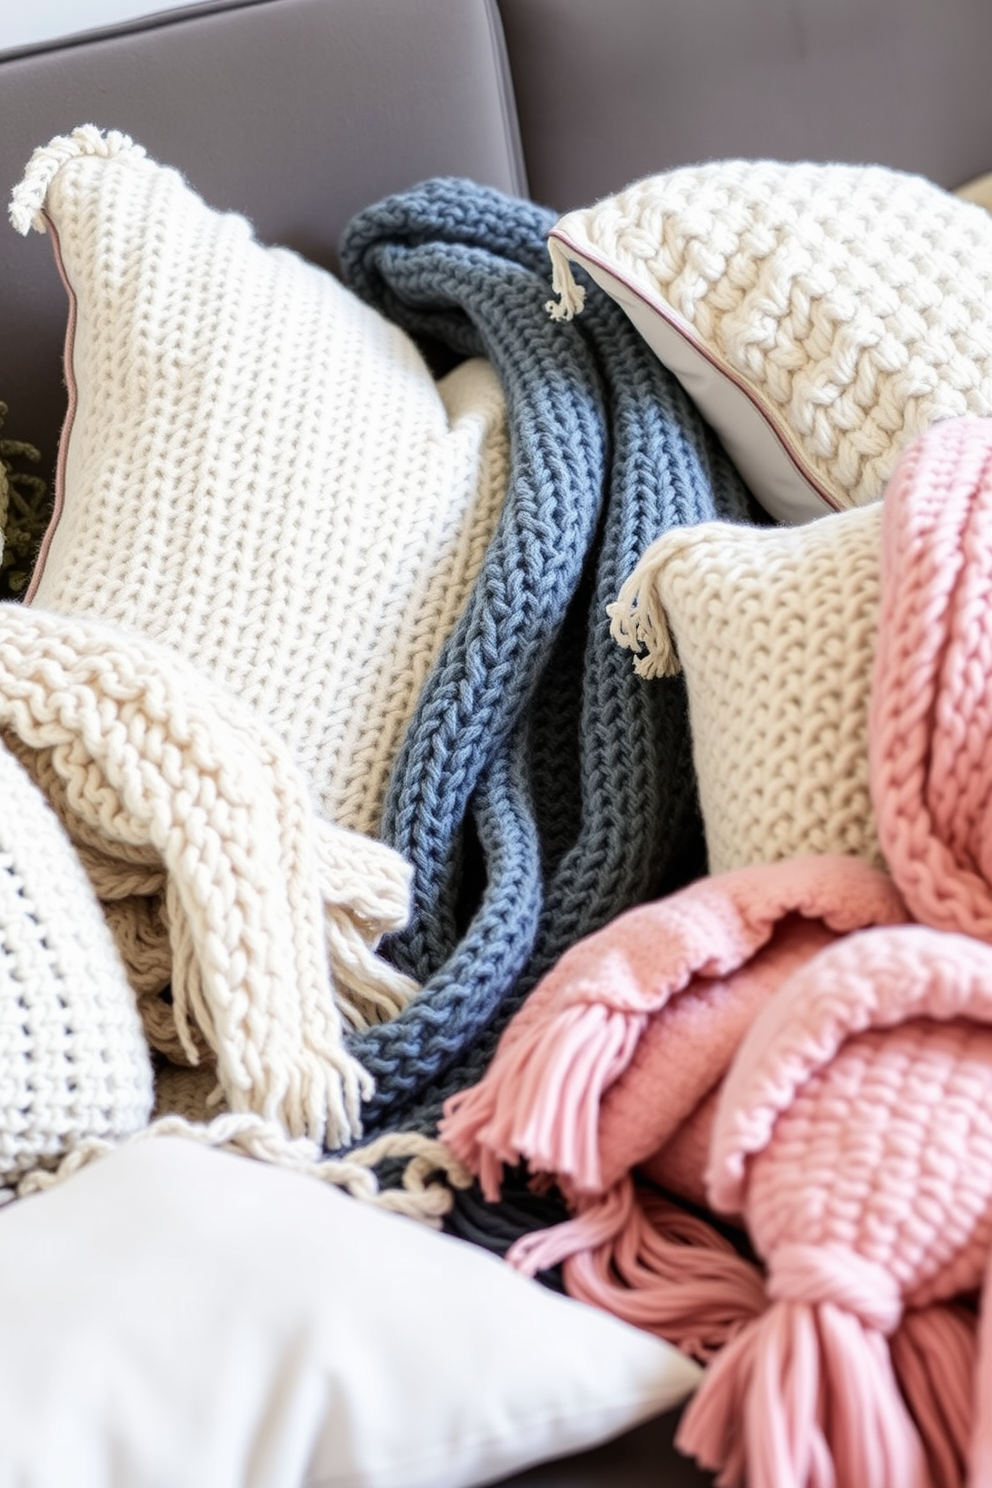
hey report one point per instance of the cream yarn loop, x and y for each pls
(815, 1274)
(28, 197)
(425, 1195)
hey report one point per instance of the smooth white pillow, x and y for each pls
(821, 316)
(178, 1317)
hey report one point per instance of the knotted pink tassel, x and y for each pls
(672, 1274)
(559, 1080)
(854, 1134)
(813, 1382)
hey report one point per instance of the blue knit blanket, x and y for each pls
(542, 786)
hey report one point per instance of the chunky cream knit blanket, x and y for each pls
(199, 834)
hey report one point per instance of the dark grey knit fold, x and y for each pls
(542, 786)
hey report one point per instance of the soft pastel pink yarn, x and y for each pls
(612, 1063)
(930, 727)
(854, 1133)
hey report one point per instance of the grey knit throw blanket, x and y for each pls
(542, 787)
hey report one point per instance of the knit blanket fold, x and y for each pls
(197, 827)
(618, 1049)
(533, 737)
(931, 715)
(833, 1089)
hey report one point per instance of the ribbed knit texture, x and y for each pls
(181, 800)
(73, 1061)
(257, 469)
(775, 631)
(851, 302)
(931, 718)
(532, 732)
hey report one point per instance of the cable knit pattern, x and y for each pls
(153, 756)
(73, 1062)
(257, 469)
(775, 631)
(851, 303)
(931, 718)
(532, 733)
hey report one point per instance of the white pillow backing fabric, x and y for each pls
(821, 316)
(775, 630)
(257, 469)
(183, 1316)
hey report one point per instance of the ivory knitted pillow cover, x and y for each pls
(820, 315)
(256, 468)
(774, 628)
(72, 1055)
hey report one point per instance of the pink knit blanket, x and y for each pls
(782, 1045)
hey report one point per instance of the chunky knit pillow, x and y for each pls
(73, 1057)
(820, 315)
(774, 628)
(257, 469)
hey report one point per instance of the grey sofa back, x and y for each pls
(610, 90)
(295, 112)
(298, 112)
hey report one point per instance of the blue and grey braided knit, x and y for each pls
(542, 787)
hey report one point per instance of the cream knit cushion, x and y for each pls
(820, 315)
(775, 630)
(257, 468)
(184, 802)
(73, 1061)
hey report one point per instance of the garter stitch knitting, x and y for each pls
(166, 780)
(531, 728)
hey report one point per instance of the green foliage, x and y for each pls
(25, 509)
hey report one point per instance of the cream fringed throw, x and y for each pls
(190, 814)
(257, 469)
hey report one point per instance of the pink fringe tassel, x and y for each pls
(541, 1099)
(651, 1263)
(934, 1354)
(805, 1398)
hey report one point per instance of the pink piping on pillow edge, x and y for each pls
(683, 329)
(70, 382)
